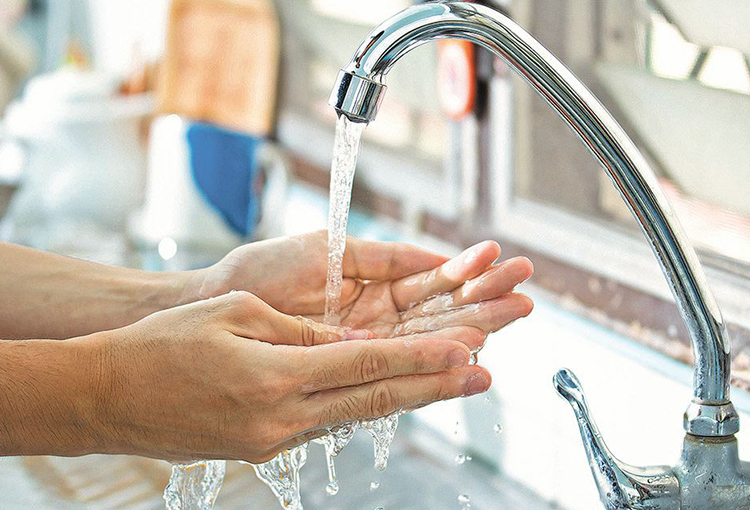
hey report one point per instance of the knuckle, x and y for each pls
(380, 401)
(371, 364)
(441, 391)
(307, 333)
(340, 411)
(322, 376)
(242, 299)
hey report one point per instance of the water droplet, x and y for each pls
(464, 498)
(332, 488)
(497, 428)
(374, 485)
(487, 400)
(380, 508)
(460, 459)
(468, 458)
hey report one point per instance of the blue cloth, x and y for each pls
(224, 166)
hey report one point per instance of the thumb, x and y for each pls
(261, 321)
(306, 332)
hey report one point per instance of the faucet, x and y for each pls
(709, 473)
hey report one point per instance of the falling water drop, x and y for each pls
(497, 428)
(374, 485)
(332, 488)
(460, 459)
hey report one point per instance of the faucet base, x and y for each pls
(711, 420)
(712, 476)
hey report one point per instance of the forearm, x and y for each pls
(49, 296)
(48, 401)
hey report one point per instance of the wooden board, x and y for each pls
(221, 63)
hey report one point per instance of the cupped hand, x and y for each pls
(233, 378)
(389, 288)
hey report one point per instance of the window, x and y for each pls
(686, 104)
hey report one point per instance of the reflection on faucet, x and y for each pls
(710, 420)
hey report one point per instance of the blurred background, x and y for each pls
(160, 134)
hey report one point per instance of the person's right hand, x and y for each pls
(232, 378)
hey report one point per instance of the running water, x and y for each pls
(345, 152)
(194, 486)
(282, 473)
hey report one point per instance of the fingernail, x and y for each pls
(477, 383)
(358, 334)
(457, 358)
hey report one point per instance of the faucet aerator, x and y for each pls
(357, 97)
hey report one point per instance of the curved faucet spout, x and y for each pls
(360, 89)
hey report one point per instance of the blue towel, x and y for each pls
(224, 165)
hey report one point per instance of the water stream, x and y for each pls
(281, 476)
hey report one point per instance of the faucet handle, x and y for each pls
(620, 486)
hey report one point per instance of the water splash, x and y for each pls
(194, 486)
(281, 474)
(382, 430)
(334, 443)
(465, 501)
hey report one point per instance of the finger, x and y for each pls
(252, 318)
(381, 398)
(488, 316)
(360, 362)
(416, 288)
(370, 260)
(497, 281)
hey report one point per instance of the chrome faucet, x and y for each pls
(709, 474)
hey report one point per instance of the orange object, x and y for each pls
(221, 63)
(457, 84)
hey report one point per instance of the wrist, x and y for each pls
(100, 387)
(168, 290)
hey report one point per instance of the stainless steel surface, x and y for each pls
(358, 96)
(619, 485)
(711, 413)
(708, 475)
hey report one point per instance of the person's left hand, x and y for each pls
(389, 288)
